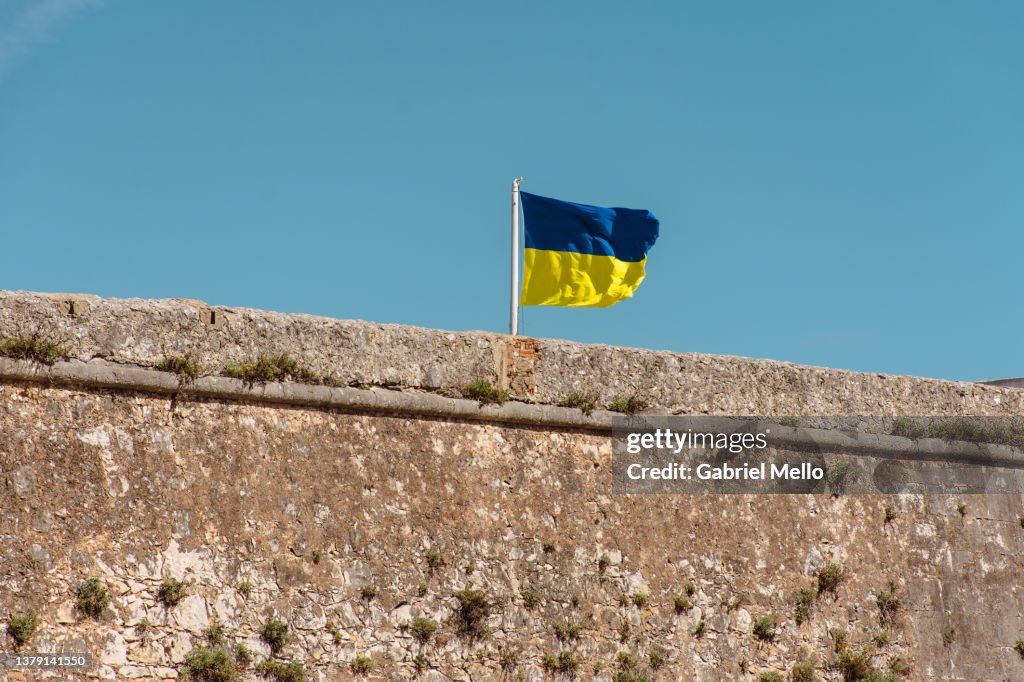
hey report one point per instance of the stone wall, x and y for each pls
(348, 524)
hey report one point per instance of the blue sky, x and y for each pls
(838, 183)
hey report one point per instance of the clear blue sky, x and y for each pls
(838, 183)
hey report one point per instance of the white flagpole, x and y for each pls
(513, 316)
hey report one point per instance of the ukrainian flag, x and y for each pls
(580, 255)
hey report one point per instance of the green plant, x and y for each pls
(35, 348)
(569, 632)
(269, 368)
(802, 672)
(623, 630)
(423, 629)
(838, 639)
(282, 672)
(245, 588)
(829, 577)
(368, 591)
(898, 666)
(243, 657)
(626, 660)
(791, 422)
(639, 600)
(20, 627)
(421, 590)
(657, 659)
(1018, 646)
(361, 665)
(171, 592)
(508, 657)
(334, 632)
(214, 634)
(562, 662)
(802, 608)
(584, 402)
(209, 664)
(433, 558)
(575, 601)
(701, 628)
(530, 598)
(630, 676)
(420, 662)
(880, 638)
(142, 627)
(690, 589)
(769, 676)
(764, 628)
(948, 634)
(92, 597)
(961, 509)
(681, 604)
(186, 367)
(603, 562)
(474, 608)
(275, 633)
(624, 405)
(481, 390)
(548, 547)
(888, 604)
(854, 665)
(890, 515)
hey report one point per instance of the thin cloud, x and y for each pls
(33, 26)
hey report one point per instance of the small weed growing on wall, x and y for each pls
(575, 601)
(214, 634)
(569, 632)
(245, 589)
(422, 629)
(603, 562)
(625, 660)
(21, 626)
(890, 515)
(1018, 646)
(187, 368)
(421, 590)
(764, 629)
(802, 608)
(420, 662)
(282, 672)
(624, 405)
(508, 657)
(269, 368)
(838, 639)
(482, 391)
(791, 422)
(142, 627)
(92, 597)
(209, 664)
(473, 610)
(961, 509)
(700, 629)
(657, 660)
(948, 635)
(681, 604)
(630, 676)
(548, 547)
(368, 591)
(690, 589)
(243, 657)
(770, 676)
(530, 598)
(639, 599)
(880, 638)
(334, 632)
(623, 630)
(34, 347)
(802, 672)
(854, 665)
(888, 603)
(433, 558)
(275, 633)
(171, 592)
(583, 402)
(829, 577)
(565, 662)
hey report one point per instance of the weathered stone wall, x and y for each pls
(328, 519)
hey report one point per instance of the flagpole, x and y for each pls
(513, 315)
